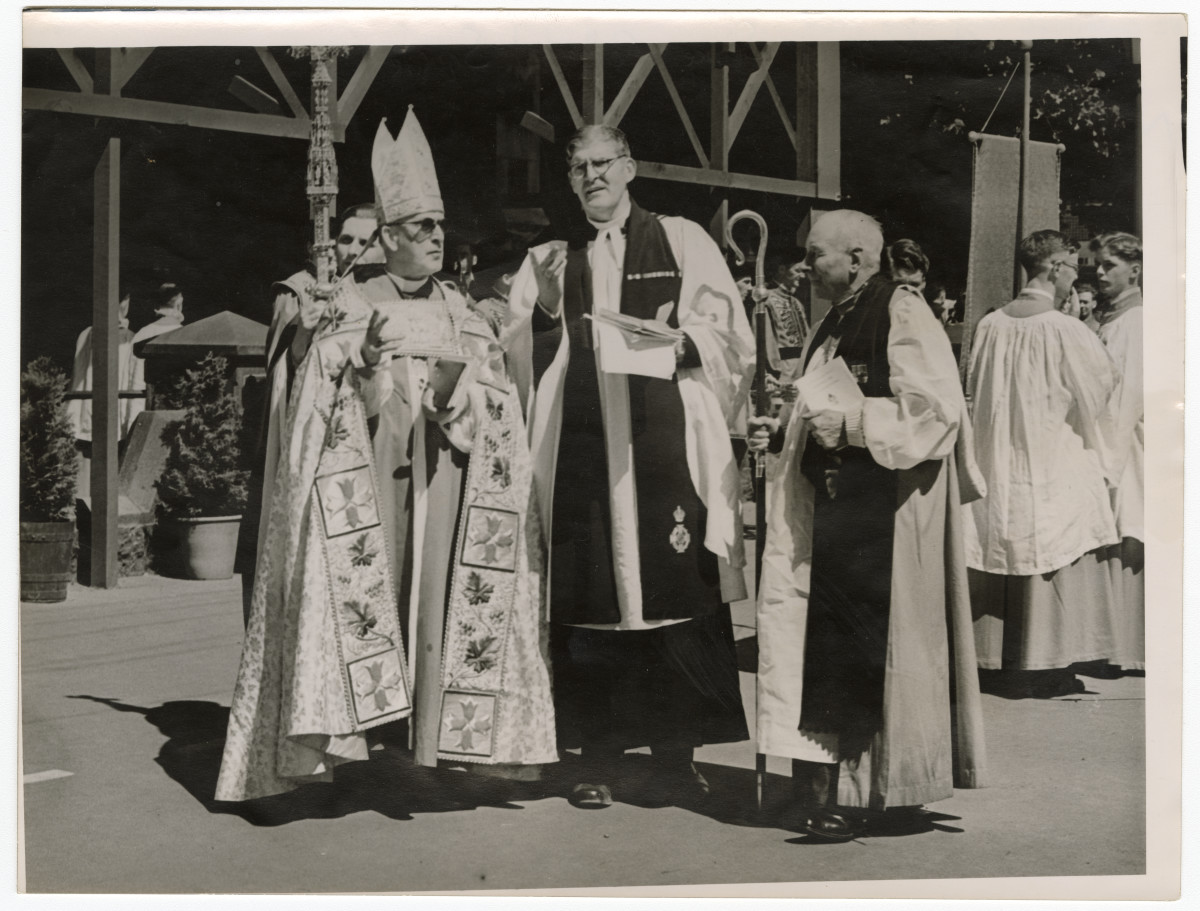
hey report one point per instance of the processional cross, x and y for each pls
(322, 163)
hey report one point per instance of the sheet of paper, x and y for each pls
(631, 325)
(831, 387)
(626, 344)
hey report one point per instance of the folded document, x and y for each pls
(626, 344)
(830, 387)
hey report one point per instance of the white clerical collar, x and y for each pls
(620, 214)
(408, 285)
(1124, 295)
(1035, 292)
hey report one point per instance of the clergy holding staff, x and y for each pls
(636, 482)
(866, 656)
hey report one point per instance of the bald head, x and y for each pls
(844, 247)
(848, 230)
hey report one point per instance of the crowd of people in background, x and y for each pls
(509, 527)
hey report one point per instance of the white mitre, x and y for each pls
(405, 182)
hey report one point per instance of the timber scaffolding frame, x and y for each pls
(812, 129)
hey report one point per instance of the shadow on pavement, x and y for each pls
(388, 783)
(391, 785)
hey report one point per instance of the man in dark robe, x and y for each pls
(630, 430)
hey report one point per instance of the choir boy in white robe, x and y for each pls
(1039, 382)
(1119, 312)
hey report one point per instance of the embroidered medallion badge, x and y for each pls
(680, 536)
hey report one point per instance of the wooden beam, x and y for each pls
(128, 60)
(102, 81)
(253, 97)
(750, 90)
(829, 121)
(656, 52)
(75, 67)
(633, 84)
(564, 87)
(163, 112)
(726, 179)
(105, 264)
(364, 76)
(593, 83)
(290, 98)
(718, 133)
(806, 110)
(779, 106)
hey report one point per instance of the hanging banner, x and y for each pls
(994, 190)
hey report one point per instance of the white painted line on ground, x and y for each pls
(48, 775)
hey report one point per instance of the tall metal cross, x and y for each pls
(322, 163)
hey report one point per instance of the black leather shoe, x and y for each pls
(830, 826)
(674, 784)
(590, 796)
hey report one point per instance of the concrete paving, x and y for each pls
(125, 696)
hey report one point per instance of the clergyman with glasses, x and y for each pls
(636, 480)
(401, 547)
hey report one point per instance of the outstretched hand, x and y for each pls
(372, 346)
(548, 272)
(312, 308)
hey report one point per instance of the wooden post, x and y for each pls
(1019, 277)
(807, 111)
(593, 83)
(829, 120)
(718, 155)
(106, 243)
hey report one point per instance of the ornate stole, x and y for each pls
(493, 582)
(495, 585)
(375, 678)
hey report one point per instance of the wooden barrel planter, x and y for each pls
(46, 560)
(203, 547)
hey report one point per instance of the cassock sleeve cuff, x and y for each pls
(854, 428)
(543, 320)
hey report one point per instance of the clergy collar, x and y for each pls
(846, 304)
(1126, 300)
(620, 214)
(1035, 292)
(411, 287)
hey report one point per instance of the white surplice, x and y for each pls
(1040, 388)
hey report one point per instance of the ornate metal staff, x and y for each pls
(762, 395)
(322, 164)
(762, 406)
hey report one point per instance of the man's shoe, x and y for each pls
(590, 796)
(830, 826)
(676, 785)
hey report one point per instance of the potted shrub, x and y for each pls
(202, 491)
(49, 465)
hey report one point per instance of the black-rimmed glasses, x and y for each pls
(579, 170)
(420, 230)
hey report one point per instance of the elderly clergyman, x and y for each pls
(630, 432)
(863, 551)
